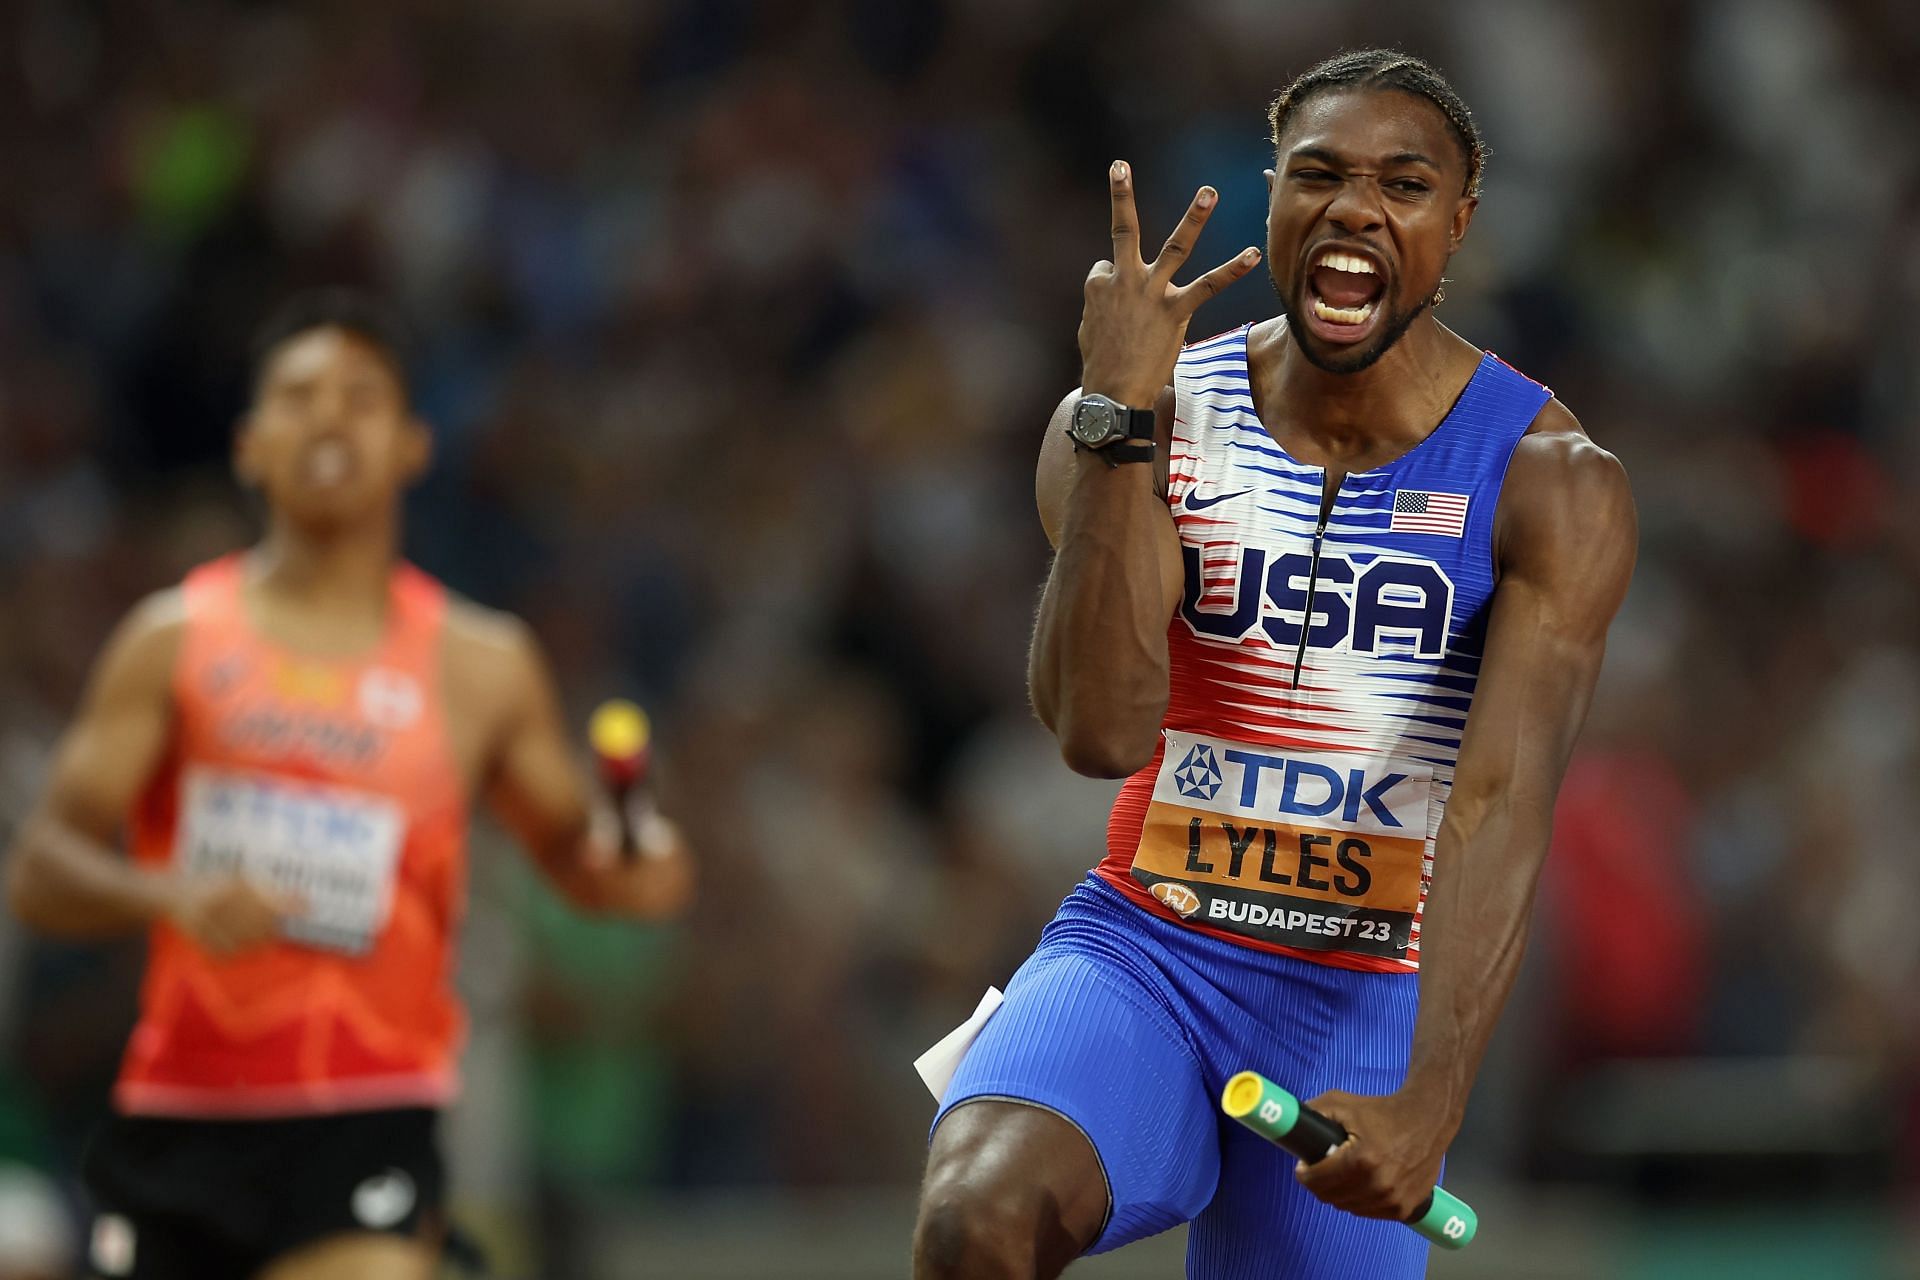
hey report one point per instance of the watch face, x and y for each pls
(1094, 421)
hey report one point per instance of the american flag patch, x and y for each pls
(1419, 511)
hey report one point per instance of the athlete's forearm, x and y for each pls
(554, 834)
(1473, 933)
(62, 881)
(1098, 670)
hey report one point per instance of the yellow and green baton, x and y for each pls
(1280, 1118)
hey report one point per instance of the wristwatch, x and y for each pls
(1118, 434)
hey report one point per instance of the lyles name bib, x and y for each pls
(1307, 849)
(332, 849)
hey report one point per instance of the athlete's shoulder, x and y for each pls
(140, 657)
(156, 624)
(162, 612)
(1557, 451)
(1559, 476)
(493, 670)
(491, 638)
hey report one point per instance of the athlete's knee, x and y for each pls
(982, 1219)
(974, 1230)
(1011, 1192)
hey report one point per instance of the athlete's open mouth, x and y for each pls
(326, 463)
(1344, 291)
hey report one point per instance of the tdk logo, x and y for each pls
(1393, 603)
(1306, 789)
(1198, 777)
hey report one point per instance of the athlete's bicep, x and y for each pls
(117, 739)
(1568, 555)
(1053, 477)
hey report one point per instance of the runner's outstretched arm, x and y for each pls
(538, 787)
(65, 875)
(1565, 544)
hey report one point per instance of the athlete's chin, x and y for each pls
(1343, 358)
(1330, 349)
(325, 513)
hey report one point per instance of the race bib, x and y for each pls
(333, 849)
(1305, 849)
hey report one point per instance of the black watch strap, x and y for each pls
(1134, 441)
(1138, 424)
(1115, 454)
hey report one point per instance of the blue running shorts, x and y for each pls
(1129, 1026)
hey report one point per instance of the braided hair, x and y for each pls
(1386, 69)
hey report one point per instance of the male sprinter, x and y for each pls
(1314, 579)
(293, 738)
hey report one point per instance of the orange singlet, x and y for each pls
(334, 780)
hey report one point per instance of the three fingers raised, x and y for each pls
(1177, 249)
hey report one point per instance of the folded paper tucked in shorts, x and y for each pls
(937, 1065)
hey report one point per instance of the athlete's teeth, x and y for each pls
(1347, 262)
(1342, 315)
(327, 464)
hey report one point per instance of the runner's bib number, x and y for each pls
(333, 849)
(1305, 849)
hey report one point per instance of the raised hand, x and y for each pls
(1135, 317)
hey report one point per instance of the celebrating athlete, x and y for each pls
(292, 740)
(1331, 592)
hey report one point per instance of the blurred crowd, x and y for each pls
(739, 322)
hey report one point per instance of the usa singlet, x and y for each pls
(331, 780)
(1321, 672)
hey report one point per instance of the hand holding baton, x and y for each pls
(1280, 1118)
(622, 742)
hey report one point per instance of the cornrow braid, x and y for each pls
(1386, 69)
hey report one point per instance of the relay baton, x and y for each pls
(1282, 1119)
(622, 742)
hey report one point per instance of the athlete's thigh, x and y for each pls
(1092, 1043)
(356, 1256)
(1263, 1225)
(1328, 1028)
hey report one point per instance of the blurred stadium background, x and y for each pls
(740, 324)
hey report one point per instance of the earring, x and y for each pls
(1440, 294)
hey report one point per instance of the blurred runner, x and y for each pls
(1320, 581)
(293, 739)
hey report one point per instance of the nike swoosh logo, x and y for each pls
(1196, 503)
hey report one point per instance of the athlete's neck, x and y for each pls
(1383, 410)
(343, 573)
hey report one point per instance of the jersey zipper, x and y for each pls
(1313, 582)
